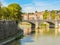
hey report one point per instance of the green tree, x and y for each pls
(46, 14)
(53, 14)
(58, 14)
(36, 11)
(15, 11)
(0, 10)
(5, 13)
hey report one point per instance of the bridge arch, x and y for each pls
(51, 25)
(32, 25)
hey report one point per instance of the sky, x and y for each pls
(35, 5)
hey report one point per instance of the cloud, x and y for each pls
(28, 8)
(36, 5)
(7, 2)
(4, 3)
(41, 6)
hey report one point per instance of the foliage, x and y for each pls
(53, 14)
(0, 9)
(11, 12)
(58, 14)
(46, 14)
(43, 25)
(5, 13)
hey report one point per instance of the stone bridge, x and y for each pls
(35, 23)
(37, 18)
(40, 21)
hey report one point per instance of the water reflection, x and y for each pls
(44, 38)
(27, 31)
(27, 39)
(36, 36)
(41, 36)
(15, 42)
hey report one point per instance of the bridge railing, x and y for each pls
(41, 20)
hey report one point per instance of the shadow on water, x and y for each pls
(36, 37)
(42, 35)
(20, 37)
(32, 28)
(16, 41)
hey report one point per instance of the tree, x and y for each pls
(15, 11)
(5, 13)
(35, 11)
(0, 5)
(46, 14)
(53, 14)
(0, 10)
(58, 14)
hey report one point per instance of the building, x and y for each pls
(24, 16)
(33, 16)
(39, 16)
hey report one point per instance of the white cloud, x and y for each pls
(35, 6)
(40, 6)
(28, 9)
(4, 3)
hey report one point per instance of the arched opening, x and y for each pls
(28, 27)
(44, 26)
(32, 27)
(51, 25)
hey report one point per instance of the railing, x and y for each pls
(7, 28)
(33, 21)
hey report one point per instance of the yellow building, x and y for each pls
(24, 16)
(33, 16)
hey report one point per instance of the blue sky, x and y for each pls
(35, 5)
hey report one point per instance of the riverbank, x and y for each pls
(16, 36)
(9, 31)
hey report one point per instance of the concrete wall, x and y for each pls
(7, 28)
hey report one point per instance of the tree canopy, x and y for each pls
(11, 12)
(53, 14)
(46, 14)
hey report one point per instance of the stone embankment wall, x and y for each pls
(7, 29)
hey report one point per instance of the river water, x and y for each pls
(41, 37)
(44, 38)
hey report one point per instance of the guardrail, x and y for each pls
(7, 29)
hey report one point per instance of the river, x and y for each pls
(48, 36)
(45, 38)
